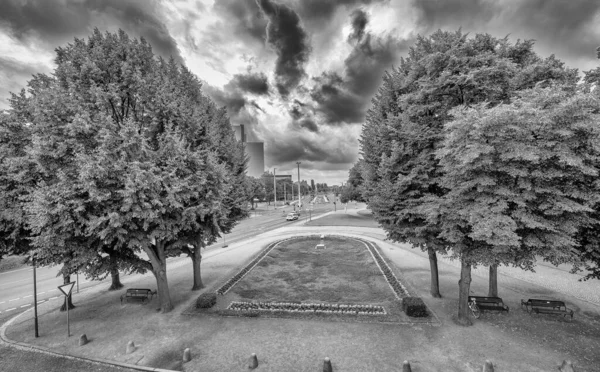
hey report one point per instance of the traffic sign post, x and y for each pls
(66, 290)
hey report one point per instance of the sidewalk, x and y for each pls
(224, 344)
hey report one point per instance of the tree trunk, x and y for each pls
(464, 286)
(196, 260)
(433, 268)
(68, 300)
(158, 260)
(163, 289)
(114, 273)
(493, 281)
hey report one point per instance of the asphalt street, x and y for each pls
(16, 287)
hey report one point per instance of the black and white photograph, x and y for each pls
(300, 185)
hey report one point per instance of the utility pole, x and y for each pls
(299, 200)
(274, 189)
(284, 194)
(35, 313)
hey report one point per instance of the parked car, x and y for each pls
(291, 217)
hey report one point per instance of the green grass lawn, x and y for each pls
(295, 271)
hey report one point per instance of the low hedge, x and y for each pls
(206, 300)
(414, 306)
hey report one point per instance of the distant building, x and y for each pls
(240, 135)
(254, 150)
(256, 153)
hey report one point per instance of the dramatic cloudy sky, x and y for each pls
(299, 74)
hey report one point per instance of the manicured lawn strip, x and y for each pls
(240, 275)
(308, 308)
(399, 290)
(295, 271)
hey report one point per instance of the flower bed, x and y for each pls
(240, 275)
(399, 290)
(320, 308)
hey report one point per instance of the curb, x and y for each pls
(4, 339)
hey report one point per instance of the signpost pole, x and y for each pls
(35, 314)
(68, 324)
(66, 289)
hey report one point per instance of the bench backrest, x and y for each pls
(548, 303)
(495, 300)
(138, 291)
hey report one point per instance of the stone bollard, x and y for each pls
(130, 347)
(187, 356)
(83, 340)
(488, 367)
(566, 366)
(253, 362)
(327, 365)
(406, 366)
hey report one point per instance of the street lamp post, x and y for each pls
(274, 189)
(299, 200)
(35, 314)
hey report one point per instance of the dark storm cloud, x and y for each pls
(308, 124)
(359, 23)
(255, 83)
(244, 17)
(14, 76)
(233, 100)
(298, 147)
(320, 10)
(233, 94)
(290, 42)
(346, 98)
(435, 12)
(59, 21)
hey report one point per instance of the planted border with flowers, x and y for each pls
(399, 290)
(319, 308)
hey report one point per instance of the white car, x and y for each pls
(291, 217)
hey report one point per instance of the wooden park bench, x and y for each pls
(546, 306)
(142, 294)
(489, 303)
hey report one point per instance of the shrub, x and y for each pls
(206, 300)
(414, 306)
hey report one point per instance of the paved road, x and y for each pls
(16, 287)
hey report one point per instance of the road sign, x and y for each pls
(66, 288)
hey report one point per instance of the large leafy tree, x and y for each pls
(255, 189)
(65, 113)
(353, 190)
(404, 125)
(520, 178)
(16, 178)
(136, 159)
(589, 247)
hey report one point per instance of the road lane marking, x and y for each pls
(27, 296)
(14, 271)
(2, 302)
(14, 299)
(54, 298)
(39, 302)
(14, 308)
(26, 305)
(42, 292)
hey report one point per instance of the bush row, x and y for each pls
(237, 277)
(206, 300)
(397, 287)
(414, 306)
(308, 307)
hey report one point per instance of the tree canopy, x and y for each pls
(129, 156)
